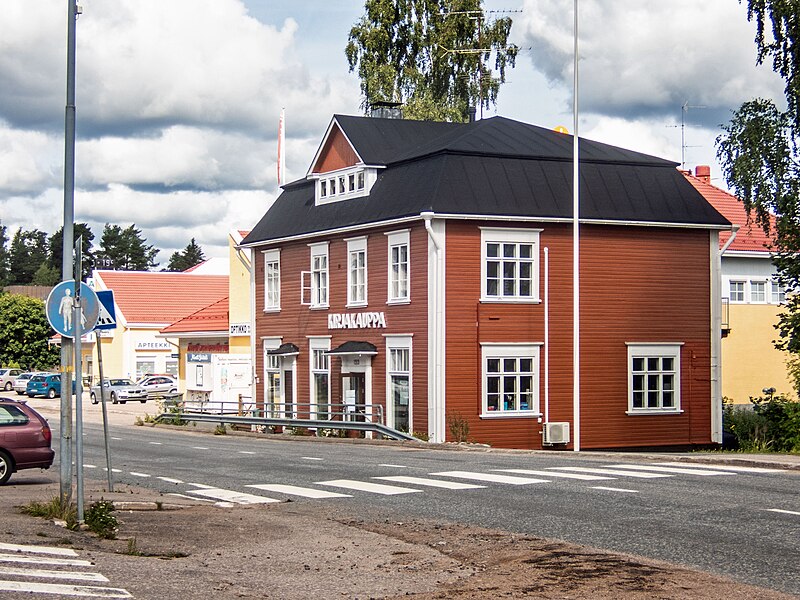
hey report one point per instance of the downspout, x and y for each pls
(436, 400)
(734, 231)
(546, 335)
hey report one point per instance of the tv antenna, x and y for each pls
(685, 109)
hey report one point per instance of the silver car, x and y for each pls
(21, 382)
(158, 386)
(7, 378)
(119, 391)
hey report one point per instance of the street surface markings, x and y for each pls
(437, 483)
(116, 439)
(202, 486)
(294, 490)
(233, 496)
(39, 549)
(364, 486)
(393, 466)
(490, 477)
(190, 497)
(580, 476)
(785, 512)
(155, 443)
(620, 473)
(135, 474)
(85, 466)
(37, 556)
(199, 448)
(170, 480)
(112, 470)
(678, 470)
(724, 467)
(610, 489)
(45, 574)
(310, 458)
(245, 452)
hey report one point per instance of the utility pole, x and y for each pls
(67, 367)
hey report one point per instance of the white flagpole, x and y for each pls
(576, 322)
(282, 148)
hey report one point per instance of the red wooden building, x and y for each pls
(422, 272)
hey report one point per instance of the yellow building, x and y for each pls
(750, 361)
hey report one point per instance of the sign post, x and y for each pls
(106, 320)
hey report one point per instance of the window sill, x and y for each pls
(399, 301)
(510, 300)
(510, 414)
(356, 305)
(653, 411)
(272, 310)
(319, 306)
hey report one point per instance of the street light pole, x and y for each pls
(65, 445)
(576, 295)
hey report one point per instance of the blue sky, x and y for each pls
(178, 101)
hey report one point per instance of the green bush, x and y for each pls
(772, 424)
(98, 518)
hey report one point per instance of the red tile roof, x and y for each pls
(210, 318)
(751, 237)
(154, 297)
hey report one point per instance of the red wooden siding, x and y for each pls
(295, 322)
(337, 153)
(637, 285)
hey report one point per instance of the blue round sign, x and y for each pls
(60, 308)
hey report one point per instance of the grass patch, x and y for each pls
(56, 508)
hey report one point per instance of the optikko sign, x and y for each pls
(364, 320)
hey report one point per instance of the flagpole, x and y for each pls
(576, 322)
(282, 147)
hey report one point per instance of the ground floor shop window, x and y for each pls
(145, 367)
(654, 378)
(272, 383)
(399, 387)
(320, 383)
(510, 380)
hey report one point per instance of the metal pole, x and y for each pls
(65, 445)
(576, 296)
(99, 343)
(78, 329)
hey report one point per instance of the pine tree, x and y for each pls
(125, 249)
(28, 251)
(181, 261)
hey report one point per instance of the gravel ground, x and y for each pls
(294, 551)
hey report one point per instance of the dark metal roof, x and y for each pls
(494, 167)
(354, 348)
(287, 349)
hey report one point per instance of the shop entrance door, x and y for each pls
(354, 389)
(288, 394)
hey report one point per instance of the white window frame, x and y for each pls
(320, 275)
(272, 366)
(398, 281)
(755, 284)
(498, 351)
(510, 236)
(343, 184)
(777, 292)
(316, 346)
(399, 343)
(738, 295)
(356, 274)
(658, 350)
(272, 281)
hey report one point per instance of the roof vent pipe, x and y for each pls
(703, 173)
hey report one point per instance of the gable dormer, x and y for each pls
(339, 171)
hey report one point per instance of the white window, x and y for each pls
(510, 265)
(320, 377)
(323, 189)
(778, 292)
(351, 182)
(319, 275)
(332, 187)
(654, 375)
(510, 380)
(360, 180)
(357, 272)
(398, 382)
(758, 291)
(737, 291)
(272, 280)
(344, 184)
(272, 379)
(399, 276)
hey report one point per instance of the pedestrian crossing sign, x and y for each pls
(106, 319)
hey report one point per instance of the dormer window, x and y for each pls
(343, 184)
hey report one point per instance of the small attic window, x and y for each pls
(351, 182)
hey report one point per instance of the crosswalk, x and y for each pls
(457, 480)
(50, 571)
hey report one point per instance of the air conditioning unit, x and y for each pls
(556, 433)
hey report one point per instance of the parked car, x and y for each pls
(119, 390)
(158, 385)
(7, 378)
(45, 385)
(21, 382)
(25, 439)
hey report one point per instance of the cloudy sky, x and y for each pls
(178, 101)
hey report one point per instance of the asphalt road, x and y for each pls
(729, 523)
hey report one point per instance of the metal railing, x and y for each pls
(245, 411)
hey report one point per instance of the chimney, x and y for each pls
(386, 110)
(703, 173)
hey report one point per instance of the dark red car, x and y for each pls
(25, 439)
